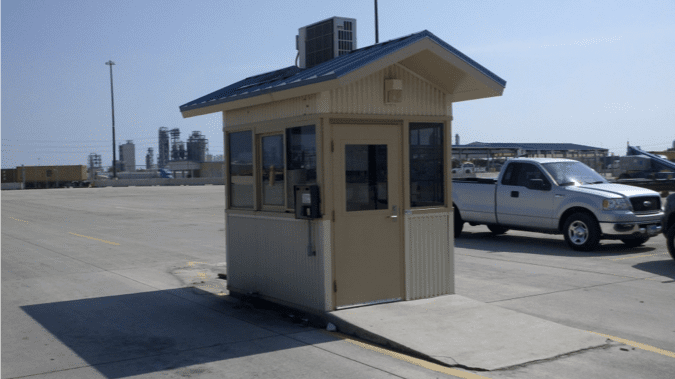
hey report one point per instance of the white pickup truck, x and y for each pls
(557, 196)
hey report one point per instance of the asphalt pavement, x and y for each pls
(123, 282)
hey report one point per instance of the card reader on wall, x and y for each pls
(307, 201)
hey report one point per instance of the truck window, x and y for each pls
(529, 171)
(510, 177)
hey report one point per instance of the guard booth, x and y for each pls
(338, 188)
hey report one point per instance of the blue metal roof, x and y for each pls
(293, 76)
(527, 146)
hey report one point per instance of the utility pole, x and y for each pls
(377, 37)
(112, 102)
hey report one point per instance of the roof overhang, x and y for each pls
(440, 67)
(426, 58)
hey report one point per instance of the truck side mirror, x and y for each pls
(537, 184)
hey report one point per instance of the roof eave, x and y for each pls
(266, 97)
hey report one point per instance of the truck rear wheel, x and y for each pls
(458, 223)
(496, 229)
(582, 232)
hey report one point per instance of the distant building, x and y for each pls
(149, 159)
(197, 146)
(163, 156)
(590, 155)
(94, 164)
(128, 156)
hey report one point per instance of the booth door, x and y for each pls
(368, 218)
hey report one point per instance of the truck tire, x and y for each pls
(670, 240)
(635, 242)
(458, 223)
(497, 229)
(582, 232)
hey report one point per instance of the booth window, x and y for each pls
(427, 182)
(300, 159)
(366, 177)
(272, 148)
(241, 169)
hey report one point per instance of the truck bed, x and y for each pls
(478, 198)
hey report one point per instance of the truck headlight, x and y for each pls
(615, 204)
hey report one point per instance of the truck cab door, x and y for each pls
(525, 198)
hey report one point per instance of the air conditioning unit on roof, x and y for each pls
(325, 40)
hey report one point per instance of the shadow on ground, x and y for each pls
(664, 267)
(134, 334)
(555, 246)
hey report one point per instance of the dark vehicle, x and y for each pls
(669, 224)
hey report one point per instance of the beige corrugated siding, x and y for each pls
(297, 106)
(268, 255)
(366, 96)
(362, 97)
(428, 255)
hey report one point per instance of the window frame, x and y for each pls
(258, 131)
(259, 166)
(444, 180)
(228, 176)
(290, 208)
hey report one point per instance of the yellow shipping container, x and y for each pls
(51, 174)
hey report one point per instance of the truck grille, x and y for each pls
(646, 203)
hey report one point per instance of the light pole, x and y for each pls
(377, 34)
(112, 102)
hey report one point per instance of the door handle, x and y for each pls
(394, 213)
(515, 193)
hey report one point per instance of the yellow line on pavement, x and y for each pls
(416, 361)
(637, 256)
(638, 345)
(27, 222)
(96, 239)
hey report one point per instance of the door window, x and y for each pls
(529, 171)
(366, 177)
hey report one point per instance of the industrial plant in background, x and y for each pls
(184, 160)
(163, 156)
(149, 159)
(128, 156)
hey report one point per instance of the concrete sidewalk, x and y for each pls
(459, 331)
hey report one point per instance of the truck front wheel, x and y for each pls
(582, 232)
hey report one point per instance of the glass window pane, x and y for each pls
(427, 180)
(510, 177)
(529, 171)
(366, 177)
(241, 169)
(300, 158)
(272, 169)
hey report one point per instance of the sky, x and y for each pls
(598, 73)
